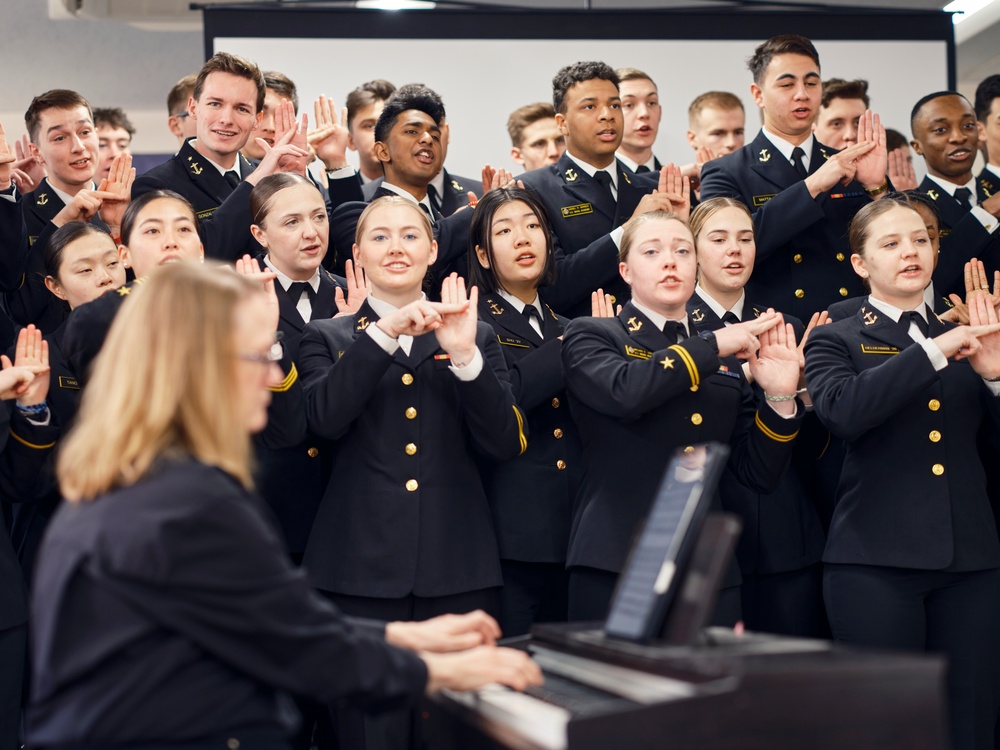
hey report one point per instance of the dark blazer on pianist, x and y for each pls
(583, 215)
(532, 496)
(636, 397)
(781, 529)
(912, 492)
(962, 237)
(292, 479)
(167, 611)
(405, 512)
(803, 258)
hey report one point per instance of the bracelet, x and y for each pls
(778, 399)
(879, 190)
(36, 409)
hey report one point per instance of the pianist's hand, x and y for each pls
(445, 633)
(484, 665)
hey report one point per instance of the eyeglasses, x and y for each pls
(274, 354)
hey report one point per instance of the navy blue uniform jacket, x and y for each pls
(405, 512)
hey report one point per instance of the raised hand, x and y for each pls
(118, 183)
(901, 172)
(872, 164)
(817, 319)
(284, 156)
(30, 383)
(29, 165)
(740, 340)
(329, 139)
(417, 318)
(247, 266)
(602, 305)
(676, 186)
(840, 168)
(457, 332)
(984, 324)
(776, 367)
(84, 206)
(6, 161)
(358, 288)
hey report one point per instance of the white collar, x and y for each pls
(994, 169)
(611, 169)
(659, 320)
(518, 304)
(285, 281)
(718, 309)
(222, 169)
(951, 187)
(383, 308)
(401, 192)
(785, 148)
(65, 197)
(896, 313)
(634, 165)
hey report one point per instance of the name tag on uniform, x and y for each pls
(942, 232)
(581, 209)
(866, 349)
(760, 200)
(507, 341)
(206, 213)
(65, 382)
(634, 351)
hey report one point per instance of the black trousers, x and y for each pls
(532, 592)
(957, 614)
(591, 591)
(789, 603)
(396, 730)
(13, 645)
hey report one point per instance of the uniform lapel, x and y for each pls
(880, 327)
(948, 208)
(629, 194)
(768, 162)
(702, 317)
(203, 174)
(325, 306)
(502, 313)
(987, 185)
(641, 330)
(584, 189)
(552, 327)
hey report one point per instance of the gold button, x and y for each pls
(799, 293)
(840, 256)
(561, 465)
(797, 258)
(232, 743)
(555, 403)
(613, 299)
(938, 469)
(312, 452)
(935, 436)
(557, 433)
(407, 379)
(933, 404)
(689, 450)
(411, 413)
(411, 485)
(843, 291)
(411, 448)
(696, 418)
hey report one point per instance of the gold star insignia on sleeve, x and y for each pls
(123, 290)
(668, 364)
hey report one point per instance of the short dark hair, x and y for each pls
(180, 92)
(987, 90)
(481, 234)
(378, 90)
(522, 117)
(838, 88)
(283, 86)
(59, 240)
(894, 139)
(225, 62)
(915, 112)
(784, 44)
(576, 73)
(113, 117)
(411, 96)
(137, 204)
(53, 99)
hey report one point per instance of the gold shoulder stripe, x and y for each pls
(520, 431)
(287, 383)
(22, 441)
(772, 434)
(689, 363)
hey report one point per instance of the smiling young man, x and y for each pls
(588, 193)
(802, 194)
(946, 134)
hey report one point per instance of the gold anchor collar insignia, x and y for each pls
(932, 194)
(456, 186)
(496, 309)
(869, 316)
(825, 154)
(765, 155)
(42, 199)
(363, 323)
(985, 185)
(571, 175)
(625, 176)
(634, 325)
(697, 315)
(195, 168)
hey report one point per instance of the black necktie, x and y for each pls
(531, 313)
(430, 214)
(962, 195)
(232, 178)
(296, 288)
(641, 169)
(674, 331)
(730, 317)
(914, 317)
(605, 179)
(800, 168)
(435, 199)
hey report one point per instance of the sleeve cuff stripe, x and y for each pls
(287, 383)
(689, 363)
(22, 441)
(772, 434)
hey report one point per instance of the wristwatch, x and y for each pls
(709, 336)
